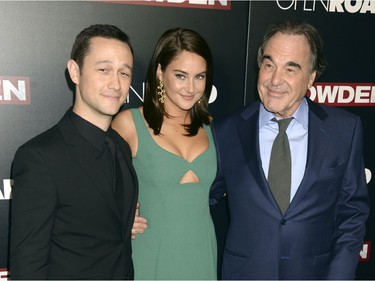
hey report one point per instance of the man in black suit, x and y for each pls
(73, 205)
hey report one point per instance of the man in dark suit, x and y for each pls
(320, 233)
(73, 205)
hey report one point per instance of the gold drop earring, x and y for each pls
(161, 91)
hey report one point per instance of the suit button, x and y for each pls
(283, 222)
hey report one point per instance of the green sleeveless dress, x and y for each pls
(180, 241)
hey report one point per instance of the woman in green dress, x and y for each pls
(175, 160)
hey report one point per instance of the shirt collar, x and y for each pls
(88, 131)
(300, 115)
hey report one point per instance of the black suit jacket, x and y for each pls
(65, 222)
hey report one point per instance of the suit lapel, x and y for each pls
(86, 158)
(248, 132)
(318, 138)
(130, 179)
(125, 149)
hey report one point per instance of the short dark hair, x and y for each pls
(81, 44)
(172, 43)
(318, 60)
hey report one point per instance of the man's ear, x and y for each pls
(312, 79)
(73, 70)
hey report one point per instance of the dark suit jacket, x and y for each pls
(65, 222)
(321, 233)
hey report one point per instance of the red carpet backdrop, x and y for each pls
(37, 36)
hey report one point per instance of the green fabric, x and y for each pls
(179, 242)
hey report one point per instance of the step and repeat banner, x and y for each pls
(37, 36)
(36, 41)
